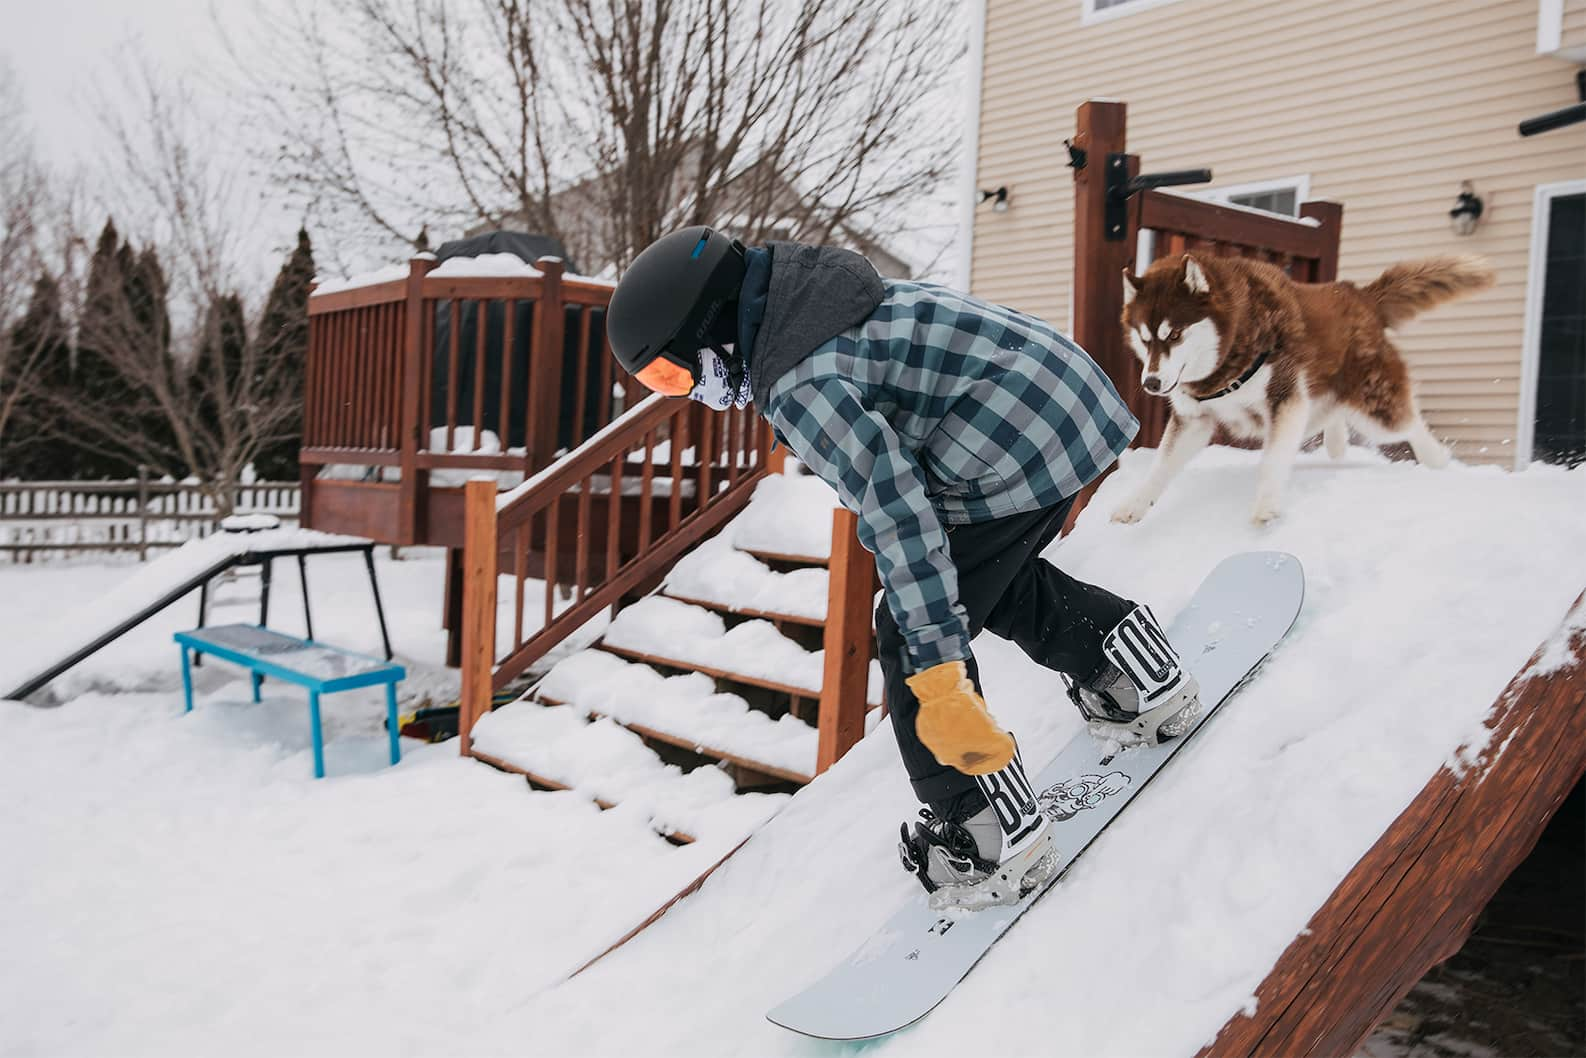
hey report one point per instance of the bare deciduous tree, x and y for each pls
(25, 345)
(168, 374)
(607, 122)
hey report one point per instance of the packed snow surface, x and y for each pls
(668, 628)
(185, 888)
(717, 572)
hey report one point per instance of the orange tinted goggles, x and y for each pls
(663, 376)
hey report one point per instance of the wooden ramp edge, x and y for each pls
(1411, 901)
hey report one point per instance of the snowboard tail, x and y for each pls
(1238, 615)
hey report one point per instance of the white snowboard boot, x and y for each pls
(1143, 695)
(992, 857)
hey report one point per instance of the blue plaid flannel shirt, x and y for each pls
(941, 408)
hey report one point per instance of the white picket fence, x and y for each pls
(40, 519)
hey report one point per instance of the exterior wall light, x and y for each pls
(1467, 210)
(999, 199)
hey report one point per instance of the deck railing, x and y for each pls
(408, 376)
(1305, 247)
(605, 520)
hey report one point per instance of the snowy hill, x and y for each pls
(445, 898)
(1427, 591)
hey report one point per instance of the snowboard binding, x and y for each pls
(942, 855)
(1142, 695)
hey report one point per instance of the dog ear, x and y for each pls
(1195, 277)
(1131, 285)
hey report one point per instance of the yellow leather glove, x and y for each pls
(954, 724)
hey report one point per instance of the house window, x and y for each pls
(1101, 10)
(1281, 196)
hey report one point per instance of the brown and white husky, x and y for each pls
(1237, 343)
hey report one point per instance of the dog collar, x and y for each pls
(1250, 373)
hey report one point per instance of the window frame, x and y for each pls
(1300, 184)
(1090, 15)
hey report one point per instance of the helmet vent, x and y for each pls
(699, 247)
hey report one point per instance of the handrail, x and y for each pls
(586, 458)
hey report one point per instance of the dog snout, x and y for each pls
(1152, 383)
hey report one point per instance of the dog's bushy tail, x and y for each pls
(1414, 286)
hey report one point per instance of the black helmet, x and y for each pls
(670, 301)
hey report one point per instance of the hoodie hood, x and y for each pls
(815, 293)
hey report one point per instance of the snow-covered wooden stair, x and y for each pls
(702, 691)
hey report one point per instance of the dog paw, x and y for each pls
(1265, 514)
(1130, 511)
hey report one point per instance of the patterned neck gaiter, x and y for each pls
(715, 388)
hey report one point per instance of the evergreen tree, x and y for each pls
(283, 353)
(215, 376)
(147, 297)
(31, 447)
(96, 382)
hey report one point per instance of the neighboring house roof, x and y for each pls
(750, 196)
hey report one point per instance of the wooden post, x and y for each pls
(305, 495)
(545, 367)
(479, 606)
(845, 679)
(1099, 263)
(411, 498)
(1331, 216)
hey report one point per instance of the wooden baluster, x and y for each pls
(581, 393)
(734, 440)
(504, 424)
(481, 312)
(370, 371)
(706, 456)
(520, 572)
(679, 434)
(455, 314)
(646, 491)
(586, 491)
(606, 362)
(378, 384)
(614, 517)
(553, 518)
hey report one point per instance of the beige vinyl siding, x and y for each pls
(1574, 25)
(1386, 107)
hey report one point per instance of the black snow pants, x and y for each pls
(1007, 588)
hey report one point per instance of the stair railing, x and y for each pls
(606, 520)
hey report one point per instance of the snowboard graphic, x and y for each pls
(1235, 619)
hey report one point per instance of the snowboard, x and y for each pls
(1235, 619)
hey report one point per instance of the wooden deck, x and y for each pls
(1411, 901)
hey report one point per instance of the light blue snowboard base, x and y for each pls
(1240, 613)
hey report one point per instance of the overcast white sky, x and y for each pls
(64, 54)
(58, 47)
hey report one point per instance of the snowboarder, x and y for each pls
(959, 432)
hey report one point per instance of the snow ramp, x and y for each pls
(58, 645)
(1282, 883)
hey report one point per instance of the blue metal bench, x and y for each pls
(321, 669)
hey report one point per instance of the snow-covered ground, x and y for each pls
(179, 885)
